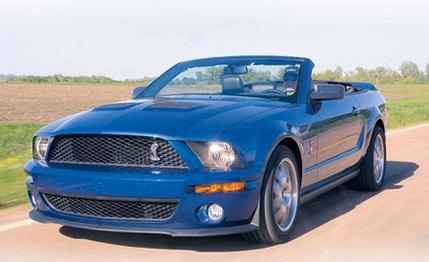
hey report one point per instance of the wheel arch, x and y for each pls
(377, 117)
(294, 145)
(380, 124)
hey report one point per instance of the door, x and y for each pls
(340, 127)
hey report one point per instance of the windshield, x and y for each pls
(279, 80)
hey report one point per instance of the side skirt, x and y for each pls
(328, 184)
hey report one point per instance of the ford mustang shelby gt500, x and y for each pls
(213, 146)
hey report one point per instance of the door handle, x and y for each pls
(355, 111)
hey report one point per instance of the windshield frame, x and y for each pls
(159, 83)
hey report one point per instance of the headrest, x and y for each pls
(291, 73)
(231, 85)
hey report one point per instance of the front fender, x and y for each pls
(288, 133)
(257, 138)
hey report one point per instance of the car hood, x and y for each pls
(201, 118)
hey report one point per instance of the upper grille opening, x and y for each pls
(117, 150)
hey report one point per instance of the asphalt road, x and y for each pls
(340, 225)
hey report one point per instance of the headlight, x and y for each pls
(216, 154)
(40, 147)
(221, 155)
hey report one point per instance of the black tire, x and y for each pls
(269, 231)
(367, 180)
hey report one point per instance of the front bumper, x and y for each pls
(116, 227)
(239, 207)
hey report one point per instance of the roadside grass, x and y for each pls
(15, 138)
(404, 112)
(418, 89)
(15, 143)
(408, 110)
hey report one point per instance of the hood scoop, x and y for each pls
(174, 105)
(115, 107)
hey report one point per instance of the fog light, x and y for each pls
(215, 212)
(211, 214)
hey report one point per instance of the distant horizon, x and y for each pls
(130, 38)
(146, 77)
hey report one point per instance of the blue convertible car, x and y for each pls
(213, 146)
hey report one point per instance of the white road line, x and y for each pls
(16, 224)
(407, 129)
(29, 221)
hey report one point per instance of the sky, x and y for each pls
(133, 39)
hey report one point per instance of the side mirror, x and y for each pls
(327, 92)
(137, 91)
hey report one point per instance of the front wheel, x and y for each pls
(279, 201)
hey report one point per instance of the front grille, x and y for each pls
(111, 208)
(113, 150)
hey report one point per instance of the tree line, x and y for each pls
(408, 73)
(94, 79)
(56, 79)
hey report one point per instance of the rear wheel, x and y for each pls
(373, 167)
(279, 198)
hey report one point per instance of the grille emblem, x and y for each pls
(154, 152)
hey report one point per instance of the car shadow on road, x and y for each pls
(312, 215)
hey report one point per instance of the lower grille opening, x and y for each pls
(111, 208)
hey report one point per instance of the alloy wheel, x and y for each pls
(378, 159)
(285, 194)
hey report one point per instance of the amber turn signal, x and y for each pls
(220, 188)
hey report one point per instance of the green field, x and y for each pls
(407, 105)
